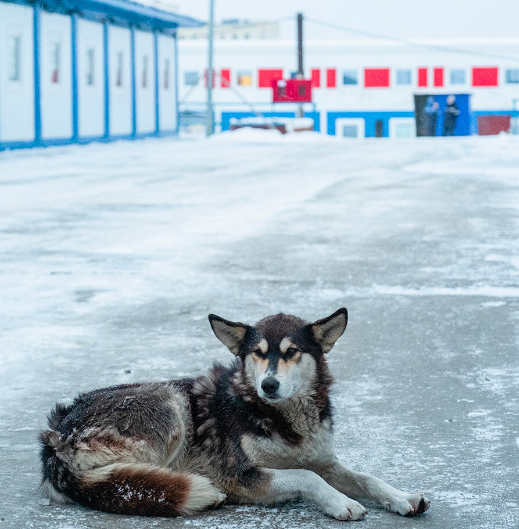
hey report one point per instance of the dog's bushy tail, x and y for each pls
(123, 488)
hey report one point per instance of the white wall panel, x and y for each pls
(90, 69)
(167, 100)
(119, 58)
(16, 73)
(56, 75)
(145, 81)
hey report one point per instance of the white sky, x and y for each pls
(399, 18)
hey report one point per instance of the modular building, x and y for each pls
(74, 71)
(368, 88)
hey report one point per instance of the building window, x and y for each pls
(14, 54)
(350, 131)
(144, 83)
(512, 76)
(245, 78)
(55, 60)
(403, 130)
(458, 76)
(166, 74)
(403, 77)
(90, 66)
(191, 78)
(349, 77)
(119, 69)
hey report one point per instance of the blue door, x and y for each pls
(462, 123)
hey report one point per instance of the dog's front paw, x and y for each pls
(408, 505)
(346, 509)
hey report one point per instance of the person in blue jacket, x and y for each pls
(430, 115)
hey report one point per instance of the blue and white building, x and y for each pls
(74, 71)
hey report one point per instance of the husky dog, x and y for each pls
(259, 431)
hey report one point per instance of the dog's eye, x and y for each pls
(292, 351)
(259, 352)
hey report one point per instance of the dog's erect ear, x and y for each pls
(230, 333)
(328, 330)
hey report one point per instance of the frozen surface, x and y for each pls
(111, 257)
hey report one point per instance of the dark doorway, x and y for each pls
(379, 128)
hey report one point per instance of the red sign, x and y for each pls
(422, 77)
(376, 77)
(265, 77)
(484, 76)
(292, 91)
(438, 77)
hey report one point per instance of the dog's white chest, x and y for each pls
(275, 452)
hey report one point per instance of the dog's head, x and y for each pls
(281, 353)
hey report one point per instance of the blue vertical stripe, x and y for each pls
(107, 79)
(134, 94)
(176, 83)
(156, 55)
(37, 86)
(75, 95)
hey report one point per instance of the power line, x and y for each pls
(412, 43)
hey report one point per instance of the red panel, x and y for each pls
(316, 78)
(265, 77)
(484, 76)
(376, 77)
(422, 77)
(490, 125)
(438, 77)
(292, 91)
(225, 77)
(331, 78)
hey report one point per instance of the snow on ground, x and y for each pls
(111, 257)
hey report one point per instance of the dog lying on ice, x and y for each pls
(259, 431)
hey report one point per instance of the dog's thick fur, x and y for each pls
(259, 431)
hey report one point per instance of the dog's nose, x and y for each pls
(270, 385)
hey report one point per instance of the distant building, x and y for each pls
(368, 88)
(73, 71)
(234, 29)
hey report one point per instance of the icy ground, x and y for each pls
(111, 257)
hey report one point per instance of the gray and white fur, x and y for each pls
(259, 431)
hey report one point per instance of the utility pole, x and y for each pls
(209, 114)
(300, 70)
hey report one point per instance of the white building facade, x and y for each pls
(76, 71)
(360, 89)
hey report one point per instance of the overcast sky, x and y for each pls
(399, 18)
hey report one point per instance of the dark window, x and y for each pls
(512, 76)
(90, 66)
(350, 77)
(191, 78)
(14, 49)
(145, 71)
(119, 72)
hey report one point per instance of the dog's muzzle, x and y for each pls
(270, 386)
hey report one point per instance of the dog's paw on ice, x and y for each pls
(347, 509)
(409, 506)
